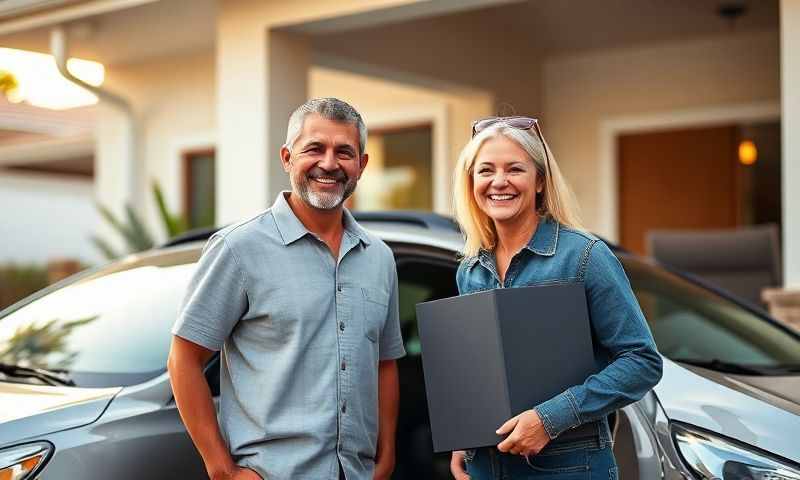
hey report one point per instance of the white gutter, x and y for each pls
(60, 49)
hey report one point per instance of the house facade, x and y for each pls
(206, 88)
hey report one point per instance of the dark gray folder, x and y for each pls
(491, 355)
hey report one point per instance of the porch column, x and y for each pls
(784, 304)
(261, 78)
(790, 121)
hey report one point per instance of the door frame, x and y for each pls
(439, 120)
(614, 126)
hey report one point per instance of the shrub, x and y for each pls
(19, 281)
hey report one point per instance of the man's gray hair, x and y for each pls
(330, 109)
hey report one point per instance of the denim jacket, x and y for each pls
(624, 348)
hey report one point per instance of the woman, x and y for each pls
(521, 229)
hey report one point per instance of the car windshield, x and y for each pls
(695, 325)
(106, 329)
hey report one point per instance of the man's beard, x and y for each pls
(323, 200)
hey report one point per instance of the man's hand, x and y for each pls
(457, 465)
(384, 465)
(388, 406)
(528, 436)
(196, 406)
(238, 473)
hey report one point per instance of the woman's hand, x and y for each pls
(528, 436)
(457, 465)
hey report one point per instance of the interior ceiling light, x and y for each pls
(40, 84)
(748, 154)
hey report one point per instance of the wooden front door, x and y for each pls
(677, 179)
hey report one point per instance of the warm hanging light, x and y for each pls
(40, 84)
(747, 152)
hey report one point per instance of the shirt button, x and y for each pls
(344, 407)
(341, 326)
(344, 366)
(339, 288)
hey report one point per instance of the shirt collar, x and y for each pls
(292, 229)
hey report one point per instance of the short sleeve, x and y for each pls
(215, 299)
(391, 339)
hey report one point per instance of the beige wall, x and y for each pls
(47, 217)
(255, 91)
(175, 103)
(175, 106)
(582, 92)
(460, 49)
(252, 35)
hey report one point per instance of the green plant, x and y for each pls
(42, 345)
(133, 231)
(19, 281)
(8, 82)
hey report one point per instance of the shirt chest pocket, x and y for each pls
(375, 308)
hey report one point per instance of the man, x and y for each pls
(303, 303)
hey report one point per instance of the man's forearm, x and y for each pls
(196, 407)
(388, 406)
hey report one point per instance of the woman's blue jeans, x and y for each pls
(581, 460)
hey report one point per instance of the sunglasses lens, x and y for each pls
(483, 124)
(521, 123)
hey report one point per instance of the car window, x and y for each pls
(109, 328)
(421, 280)
(692, 323)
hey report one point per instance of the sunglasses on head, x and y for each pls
(519, 123)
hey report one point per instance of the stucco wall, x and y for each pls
(175, 103)
(174, 99)
(790, 67)
(45, 218)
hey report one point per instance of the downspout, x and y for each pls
(59, 47)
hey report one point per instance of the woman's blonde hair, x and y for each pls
(556, 199)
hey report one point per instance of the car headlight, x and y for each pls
(24, 461)
(711, 457)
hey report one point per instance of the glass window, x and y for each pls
(200, 196)
(110, 328)
(420, 279)
(694, 324)
(399, 173)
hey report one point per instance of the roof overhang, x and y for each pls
(21, 15)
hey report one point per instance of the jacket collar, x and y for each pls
(543, 242)
(545, 238)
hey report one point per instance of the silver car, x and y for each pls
(84, 391)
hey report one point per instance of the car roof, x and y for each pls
(404, 226)
(420, 228)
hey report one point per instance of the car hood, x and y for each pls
(759, 411)
(32, 410)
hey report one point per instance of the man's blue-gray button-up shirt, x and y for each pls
(301, 335)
